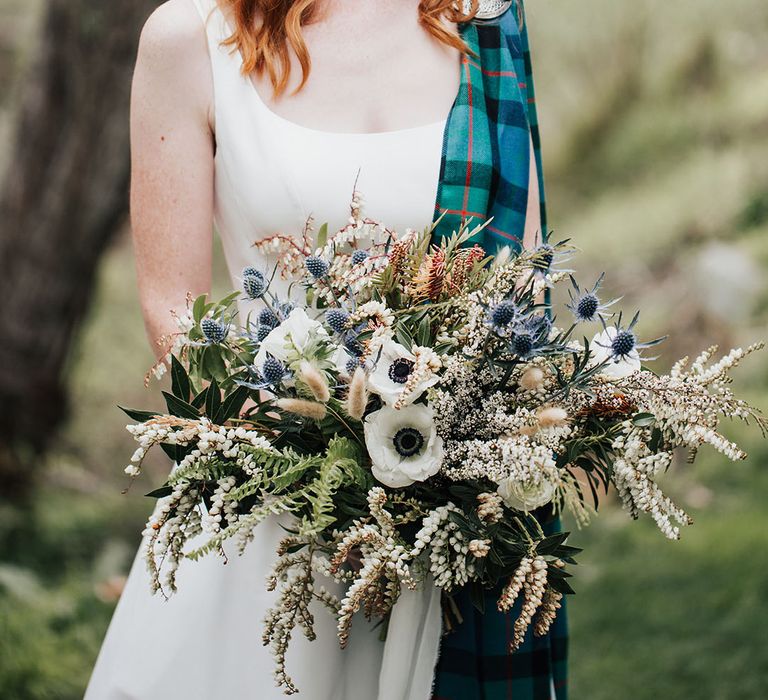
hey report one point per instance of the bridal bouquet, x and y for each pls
(413, 416)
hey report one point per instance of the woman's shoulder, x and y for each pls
(174, 30)
(172, 66)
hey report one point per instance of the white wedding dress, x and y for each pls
(205, 641)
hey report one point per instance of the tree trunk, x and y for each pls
(65, 194)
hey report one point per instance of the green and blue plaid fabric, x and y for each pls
(486, 154)
(484, 172)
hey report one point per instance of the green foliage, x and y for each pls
(647, 188)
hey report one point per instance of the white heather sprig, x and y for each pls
(426, 365)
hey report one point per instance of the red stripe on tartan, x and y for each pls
(460, 212)
(503, 233)
(523, 85)
(469, 142)
(498, 73)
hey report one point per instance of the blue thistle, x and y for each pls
(360, 256)
(623, 343)
(262, 331)
(317, 267)
(272, 370)
(522, 344)
(337, 320)
(268, 318)
(214, 331)
(354, 346)
(284, 308)
(352, 364)
(585, 304)
(587, 307)
(504, 313)
(254, 283)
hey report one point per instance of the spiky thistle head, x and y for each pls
(213, 330)
(317, 267)
(267, 317)
(254, 283)
(504, 313)
(585, 303)
(272, 370)
(337, 320)
(262, 332)
(360, 256)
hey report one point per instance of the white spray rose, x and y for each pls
(292, 334)
(526, 496)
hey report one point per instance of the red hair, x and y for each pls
(265, 47)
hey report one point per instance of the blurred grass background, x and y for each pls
(654, 119)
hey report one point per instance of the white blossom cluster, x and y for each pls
(175, 519)
(207, 438)
(508, 437)
(686, 407)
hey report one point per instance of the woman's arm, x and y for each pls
(172, 150)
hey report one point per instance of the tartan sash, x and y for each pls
(486, 154)
(484, 173)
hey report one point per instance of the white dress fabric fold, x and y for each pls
(205, 640)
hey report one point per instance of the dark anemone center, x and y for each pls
(623, 343)
(408, 442)
(400, 370)
(587, 307)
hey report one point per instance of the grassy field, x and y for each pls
(655, 134)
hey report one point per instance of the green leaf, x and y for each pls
(199, 400)
(424, 332)
(212, 400)
(213, 363)
(179, 407)
(140, 416)
(403, 337)
(160, 493)
(322, 235)
(179, 379)
(173, 451)
(232, 404)
(198, 308)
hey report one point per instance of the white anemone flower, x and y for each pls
(293, 334)
(392, 371)
(403, 444)
(618, 366)
(526, 496)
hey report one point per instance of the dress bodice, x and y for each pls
(271, 174)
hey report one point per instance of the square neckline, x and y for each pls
(259, 100)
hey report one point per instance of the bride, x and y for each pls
(251, 116)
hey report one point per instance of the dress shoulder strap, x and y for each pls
(217, 28)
